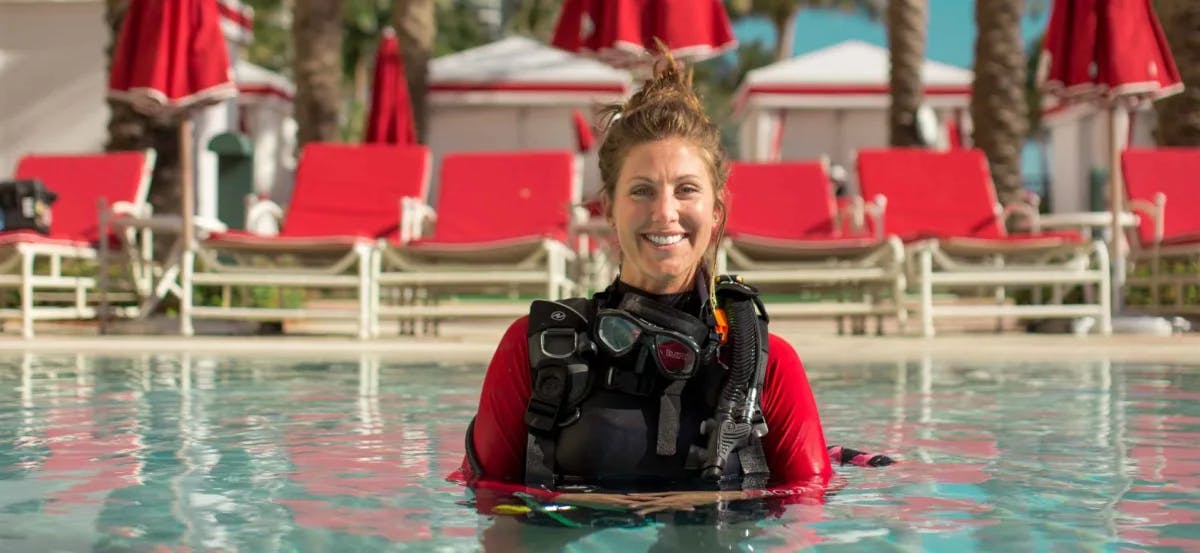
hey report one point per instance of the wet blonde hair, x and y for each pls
(665, 107)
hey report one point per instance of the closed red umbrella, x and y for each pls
(622, 32)
(1113, 50)
(390, 119)
(169, 57)
(584, 138)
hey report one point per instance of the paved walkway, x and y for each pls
(474, 342)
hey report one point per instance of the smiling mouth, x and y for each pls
(664, 240)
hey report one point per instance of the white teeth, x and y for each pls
(664, 239)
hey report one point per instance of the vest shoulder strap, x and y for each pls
(558, 346)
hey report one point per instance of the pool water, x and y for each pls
(210, 453)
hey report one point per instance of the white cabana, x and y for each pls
(265, 115)
(833, 102)
(517, 94)
(1077, 144)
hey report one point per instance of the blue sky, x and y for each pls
(951, 32)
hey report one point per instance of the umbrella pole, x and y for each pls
(1116, 197)
(187, 229)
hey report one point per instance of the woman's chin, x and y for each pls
(668, 278)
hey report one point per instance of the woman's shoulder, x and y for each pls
(780, 349)
(519, 326)
(513, 342)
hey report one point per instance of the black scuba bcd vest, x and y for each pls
(596, 421)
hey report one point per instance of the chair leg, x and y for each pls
(376, 269)
(556, 274)
(926, 259)
(1105, 269)
(188, 267)
(999, 294)
(898, 286)
(26, 295)
(876, 306)
(1154, 288)
(364, 293)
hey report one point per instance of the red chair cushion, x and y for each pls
(1175, 172)
(932, 194)
(80, 182)
(354, 189)
(500, 196)
(792, 200)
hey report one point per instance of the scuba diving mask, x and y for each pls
(674, 340)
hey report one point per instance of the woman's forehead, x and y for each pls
(666, 158)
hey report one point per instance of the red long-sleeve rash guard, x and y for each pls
(794, 444)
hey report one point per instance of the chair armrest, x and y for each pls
(876, 209)
(1025, 211)
(263, 216)
(416, 216)
(1156, 210)
(1026, 207)
(130, 209)
(579, 215)
(850, 214)
(579, 228)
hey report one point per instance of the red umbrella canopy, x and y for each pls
(390, 119)
(170, 55)
(1112, 48)
(622, 32)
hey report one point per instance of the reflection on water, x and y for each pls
(212, 453)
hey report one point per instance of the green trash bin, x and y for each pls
(235, 176)
(1098, 189)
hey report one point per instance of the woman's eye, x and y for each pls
(640, 191)
(689, 189)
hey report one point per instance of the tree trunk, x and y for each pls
(785, 29)
(998, 105)
(906, 23)
(416, 28)
(317, 42)
(1179, 115)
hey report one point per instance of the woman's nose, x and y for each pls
(666, 207)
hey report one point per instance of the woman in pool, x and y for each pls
(667, 379)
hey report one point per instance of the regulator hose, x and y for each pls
(731, 424)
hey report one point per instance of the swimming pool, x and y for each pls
(207, 453)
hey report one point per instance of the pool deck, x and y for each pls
(816, 341)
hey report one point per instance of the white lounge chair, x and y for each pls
(345, 198)
(56, 276)
(785, 235)
(943, 206)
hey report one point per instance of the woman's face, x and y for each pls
(664, 212)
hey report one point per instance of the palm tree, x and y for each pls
(317, 68)
(416, 27)
(783, 13)
(1179, 115)
(906, 23)
(998, 103)
(534, 18)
